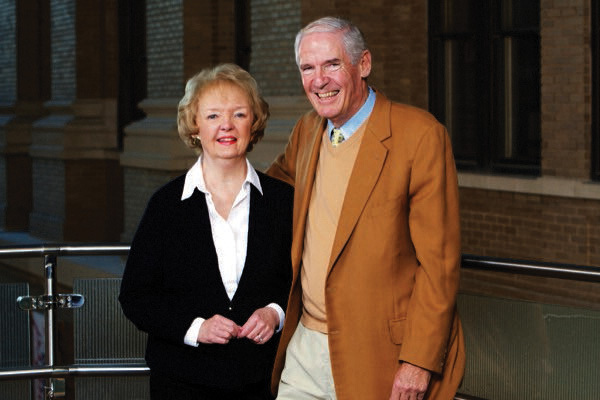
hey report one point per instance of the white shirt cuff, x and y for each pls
(191, 336)
(281, 314)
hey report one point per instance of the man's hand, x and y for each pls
(410, 383)
(260, 326)
(217, 329)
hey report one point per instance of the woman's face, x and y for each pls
(224, 119)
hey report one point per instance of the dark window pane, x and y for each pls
(460, 16)
(516, 117)
(462, 92)
(519, 15)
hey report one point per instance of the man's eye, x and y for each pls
(307, 70)
(333, 67)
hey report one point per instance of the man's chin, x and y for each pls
(325, 112)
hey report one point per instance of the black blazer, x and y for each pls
(172, 276)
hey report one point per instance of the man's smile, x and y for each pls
(327, 94)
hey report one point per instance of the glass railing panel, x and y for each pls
(14, 339)
(103, 335)
(530, 338)
(114, 388)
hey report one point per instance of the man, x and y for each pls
(376, 246)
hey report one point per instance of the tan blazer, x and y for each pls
(393, 274)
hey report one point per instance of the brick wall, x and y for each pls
(93, 200)
(164, 48)
(3, 194)
(139, 185)
(403, 49)
(274, 26)
(97, 49)
(534, 227)
(7, 86)
(8, 51)
(209, 34)
(566, 134)
(48, 213)
(63, 49)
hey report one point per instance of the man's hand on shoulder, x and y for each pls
(410, 382)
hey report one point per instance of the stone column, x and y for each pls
(183, 36)
(77, 181)
(23, 91)
(8, 85)
(274, 24)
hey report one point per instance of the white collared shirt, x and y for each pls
(234, 230)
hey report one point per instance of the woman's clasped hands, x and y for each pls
(259, 328)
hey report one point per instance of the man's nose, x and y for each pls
(320, 78)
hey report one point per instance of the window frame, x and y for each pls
(483, 38)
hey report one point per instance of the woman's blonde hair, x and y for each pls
(209, 78)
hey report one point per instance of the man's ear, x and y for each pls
(365, 64)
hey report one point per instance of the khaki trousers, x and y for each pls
(307, 371)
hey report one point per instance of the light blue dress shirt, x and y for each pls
(357, 119)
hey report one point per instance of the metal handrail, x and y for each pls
(535, 268)
(75, 370)
(50, 372)
(50, 252)
(64, 250)
(469, 261)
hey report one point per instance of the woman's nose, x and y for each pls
(226, 123)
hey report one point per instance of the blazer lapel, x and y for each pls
(367, 168)
(304, 185)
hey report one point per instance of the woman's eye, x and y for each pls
(240, 115)
(211, 116)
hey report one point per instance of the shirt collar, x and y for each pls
(194, 179)
(357, 119)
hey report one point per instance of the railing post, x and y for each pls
(54, 388)
(50, 283)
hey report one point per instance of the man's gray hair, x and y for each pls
(353, 39)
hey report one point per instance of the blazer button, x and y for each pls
(230, 308)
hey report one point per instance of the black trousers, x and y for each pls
(166, 388)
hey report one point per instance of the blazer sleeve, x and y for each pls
(435, 232)
(284, 201)
(285, 165)
(141, 294)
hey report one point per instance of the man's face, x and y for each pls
(333, 85)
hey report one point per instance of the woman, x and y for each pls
(208, 272)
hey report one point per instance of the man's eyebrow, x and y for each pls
(327, 62)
